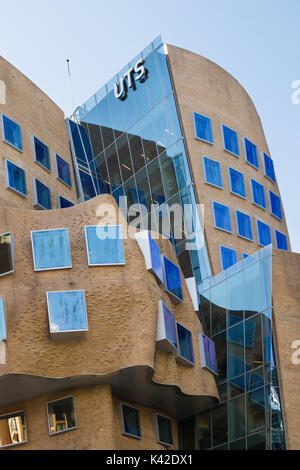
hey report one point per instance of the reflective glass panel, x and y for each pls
(164, 430)
(64, 203)
(222, 217)
(251, 153)
(256, 410)
(105, 245)
(185, 343)
(41, 153)
(6, 254)
(63, 170)
(228, 257)
(156, 259)
(13, 429)
(61, 415)
(203, 128)
(231, 142)
(281, 241)
(237, 183)
(131, 421)
(43, 196)
(51, 249)
(264, 233)
(275, 205)
(236, 411)
(170, 326)
(16, 178)
(258, 194)
(3, 334)
(173, 279)
(244, 225)
(12, 133)
(269, 168)
(219, 424)
(67, 311)
(212, 172)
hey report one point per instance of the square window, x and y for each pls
(3, 332)
(51, 249)
(63, 203)
(61, 415)
(185, 343)
(230, 138)
(264, 233)
(6, 254)
(212, 172)
(281, 241)
(275, 205)
(251, 153)
(104, 245)
(15, 178)
(164, 428)
(222, 217)
(208, 353)
(228, 257)
(63, 170)
(67, 314)
(173, 280)
(203, 128)
(12, 133)
(237, 184)
(258, 194)
(131, 421)
(269, 167)
(244, 225)
(41, 153)
(166, 329)
(13, 429)
(41, 195)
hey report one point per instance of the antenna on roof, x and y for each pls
(70, 88)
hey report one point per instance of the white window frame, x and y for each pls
(262, 153)
(245, 153)
(3, 133)
(214, 217)
(204, 172)
(230, 185)
(195, 130)
(173, 297)
(257, 232)
(252, 194)
(32, 247)
(237, 225)
(270, 205)
(87, 249)
(14, 190)
(223, 140)
(221, 259)
(34, 153)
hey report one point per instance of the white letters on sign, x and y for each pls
(132, 75)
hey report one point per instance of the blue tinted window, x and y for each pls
(131, 421)
(244, 225)
(78, 147)
(231, 142)
(51, 249)
(212, 170)
(16, 178)
(43, 196)
(173, 279)
(164, 425)
(63, 170)
(203, 128)
(251, 153)
(186, 350)
(264, 233)
(64, 203)
(104, 245)
(275, 205)
(244, 255)
(258, 194)
(41, 153)
(88, 188)
(281, 241)
(208, 348)
(3, 334)
(228, 257)
(156, 259)
(222, 217)
(170, 328)
(67, 311)
(12, 133)
(269, 167)
(237, 184)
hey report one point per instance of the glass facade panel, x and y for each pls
(51, 249)
(104, 245)
(212, 172)
(67, 311)
(16, 179)
(258, 194)
(131, 421)
(6, 254)
(237, 426)
(203, 128)
(244, 225)
(41, 153)
(231, 143)
(251, 153)
(222, 217)
(275, 205)
(219, 425)
(237, 184)
(12, 133)
(61, 415)
(164, 425)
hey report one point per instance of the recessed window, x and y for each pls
(63, 203)
(251, 153)
(3, 333)
(6, 254)
(151, 253)
(258, 194)
(231, 142)
(212, 172)
(281, 241)
(12, 133)
(244, 255)
(228, 257)
(203, 128)
(164, 429)
(15, 178)
(185, 346)
(104, 245)
(208, 353)
(41, 153)
(264, 233)
(51, 249)
(237, 184)
(63, 170)
(222, 217)
(67, 313)
(275, 205)
(166, 329)
(269, 167)
(61, 415)
(131, 421)
(13, 429)
(41, 195)
(244, 225)
(173, 280)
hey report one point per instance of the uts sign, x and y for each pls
(134, 74)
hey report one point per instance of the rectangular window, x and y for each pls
(244, 225)
(164, 430)
(237, 184)
(173, 280)
(185, 343)
(51, 249)
(13, 429)
(61, 415)
(104, 245)
(6, 254)
(268, 167)
(12, 133)
(264, 233)
(281, 241)
(166, 329)
(63, 170)
(15, 178)
(258, 194)
(275, 205)
(41, 195)
(131, 421)
(222, 217)
(212, 172)
(250, 153)
(208, 353)
(231, 142)
(3, 332)
(151, 253)
(203, 128)
(60, 304)
(63, 203)
(41, 153)
(228, 257)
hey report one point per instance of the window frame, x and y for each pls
(205, 175)
(12, 415)
(257, 232)
(270, 205)
(23, 195)
(157, 430)
(276, 243)
(262, 155)
(123, 422)
(203, 361)
(221, 258)
(59, 203)
(162, 340)
(64, 430)
(87, 249)
(195, 129)
(12, 254)
(3, 132)
(252, 194)
(33, 137)
(32, 247)
(237, 225)
(36, 204)
(223, 140)
(174, 297)
(230, 183)
(245, 153)
(55, 155)
(214, 217)
(179, 358)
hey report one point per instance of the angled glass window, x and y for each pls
(281, 241)
(61, 415)
(275, 205)
(251, 153)
(231, 142)
(104, 245)
(208, 353)
(12, 133)
(166, 329)
(244, 255)
(173, 280)
(269, 167)
(237, 184)
(212, 172)
(244, 225)
(131, 421)
(63, 170)
(41, 195)
(164, 427)
(13, 429)
(228, 257)
(185, 343)
(3, 333)
(222, 217)
(15, 178)
(258, 194)
(51, 249)
(6, 254)
(151, 253)
(41, 153)
(203, 128)
(264, 233)
(63, 203)
(67, 312)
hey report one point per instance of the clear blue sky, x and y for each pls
(257, 41)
